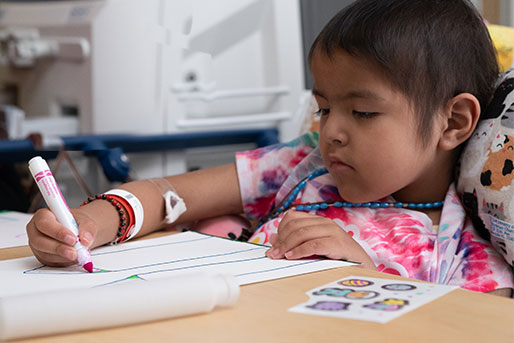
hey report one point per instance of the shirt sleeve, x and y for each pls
(261, 172)
(483, 269)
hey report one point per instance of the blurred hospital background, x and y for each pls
(113, 90)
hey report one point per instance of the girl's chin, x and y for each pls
(349, 195)
(354, 195)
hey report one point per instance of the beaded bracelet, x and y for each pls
(122, 234)
(126, 219)
(135, 211)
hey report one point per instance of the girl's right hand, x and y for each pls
(52, 243)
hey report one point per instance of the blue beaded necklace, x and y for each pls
(293, 194)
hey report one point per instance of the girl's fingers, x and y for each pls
(52, 260)
(342, 247)
(50, 246)
(87, 227)
(300, 235)
(273, 238)
(291, 217)
(293, 221)
(291, 225)
(52, 243)
(86, 238)
(45, 223)
(298, 231)
(320, 246)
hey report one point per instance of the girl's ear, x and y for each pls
(461, 116)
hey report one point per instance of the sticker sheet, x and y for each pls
(370, 299)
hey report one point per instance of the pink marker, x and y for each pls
(55, 201)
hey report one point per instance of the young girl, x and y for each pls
(400, 85)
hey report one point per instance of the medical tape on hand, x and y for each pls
(173, 203)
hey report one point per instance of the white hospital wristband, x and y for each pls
(137, 209)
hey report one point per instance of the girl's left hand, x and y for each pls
(302, 235)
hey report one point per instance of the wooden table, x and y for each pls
(261, 315)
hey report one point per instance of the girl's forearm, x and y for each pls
(207, 193)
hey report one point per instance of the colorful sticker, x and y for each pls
(356, 283)
(329, 306)
(390, 304)
(364, 295)
(346, 293)
(399, 287)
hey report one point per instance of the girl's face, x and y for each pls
(369, 136)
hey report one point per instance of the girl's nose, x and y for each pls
(334, 130)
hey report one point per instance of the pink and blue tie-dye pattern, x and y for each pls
(399, 241)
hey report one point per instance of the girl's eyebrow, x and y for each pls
(317, 93)
(363, 94)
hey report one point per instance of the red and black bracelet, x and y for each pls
(124, 211)
(123, 234)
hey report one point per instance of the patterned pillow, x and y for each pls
(486, 173)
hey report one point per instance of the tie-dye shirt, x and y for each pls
(399, 241)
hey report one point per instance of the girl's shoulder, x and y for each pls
(278, 158)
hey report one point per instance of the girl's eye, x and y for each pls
(364, 114)
(321, 112)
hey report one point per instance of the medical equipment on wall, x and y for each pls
(153, 67)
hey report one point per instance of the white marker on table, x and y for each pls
(55, 201)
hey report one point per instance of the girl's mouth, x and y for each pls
(338, 165)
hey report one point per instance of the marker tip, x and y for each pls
(88, 266)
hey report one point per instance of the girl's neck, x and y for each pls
(436, 192)
(432, 186)
(434, 215)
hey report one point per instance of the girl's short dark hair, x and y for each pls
(431, 50)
